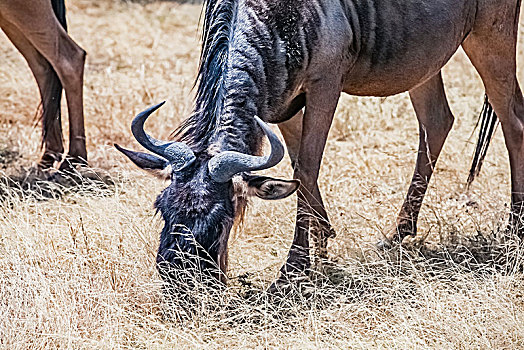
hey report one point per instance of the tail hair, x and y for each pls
(49, 110)
(488, 120)
(60, 12)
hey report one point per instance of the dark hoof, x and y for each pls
(292, 284)
(48, 160)
(70, 163)
(294, 277)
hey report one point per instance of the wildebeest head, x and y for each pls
(206, 194)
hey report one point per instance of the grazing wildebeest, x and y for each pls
(271, 58)
(37, 28)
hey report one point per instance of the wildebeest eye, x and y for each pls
(269, 188)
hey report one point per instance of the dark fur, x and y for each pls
(487, 119)
(197, 211)
(49, 111)
(254, 79)
(218, 22)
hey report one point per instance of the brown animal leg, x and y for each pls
(71, 73)
(491, 48)
(37, 22)
(70, 69)
(45, 78)
(435, 122)
(321, 101)
(322, 230)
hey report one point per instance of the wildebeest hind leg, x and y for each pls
(491, 48)
(64, 55)
(70, 68)
(50, 90)
(435, 121)
(292, 132)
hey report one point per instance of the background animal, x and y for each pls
(79, 272)
(37, 28)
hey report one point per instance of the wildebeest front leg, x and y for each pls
(435, 121)
(321, 102)
(322, 230)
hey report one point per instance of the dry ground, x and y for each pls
(77, 269)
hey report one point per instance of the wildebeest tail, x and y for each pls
(487, 119)
(52, 91)
(60, 11)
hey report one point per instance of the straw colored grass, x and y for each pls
(77, 262)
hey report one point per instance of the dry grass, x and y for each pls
(77, 263)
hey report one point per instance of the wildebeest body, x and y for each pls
(271, 58)
(405, 42)
(371, 44)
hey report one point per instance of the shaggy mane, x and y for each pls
(217, 27)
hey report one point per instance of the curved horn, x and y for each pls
(225, 165)
(177, 153)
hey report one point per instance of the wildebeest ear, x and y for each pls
(269, 188)
(149, 162)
